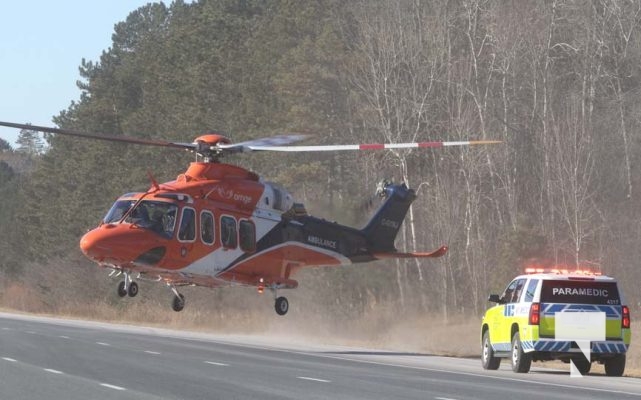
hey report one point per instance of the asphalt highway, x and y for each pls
(46, 358)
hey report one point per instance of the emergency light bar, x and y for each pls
(561, 271)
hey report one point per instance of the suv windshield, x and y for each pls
(581, 292)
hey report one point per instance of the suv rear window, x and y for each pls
(581, 292)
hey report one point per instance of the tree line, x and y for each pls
(557, 81)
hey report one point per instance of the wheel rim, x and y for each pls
(515, 353)
(486, 351)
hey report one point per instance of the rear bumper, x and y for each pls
(560, 346)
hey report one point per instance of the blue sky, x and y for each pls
(42, 43)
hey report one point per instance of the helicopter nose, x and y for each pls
(117, 244)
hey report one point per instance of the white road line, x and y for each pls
(216, 363)
(112, 386)
(53, 371)
(306, 378)
(152, 352)
(103, 344)
(9, 359)
(64, 337)
(6, 329)
(30, 332)
(443, 398)
(446, 371)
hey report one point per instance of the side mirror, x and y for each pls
(494, 298)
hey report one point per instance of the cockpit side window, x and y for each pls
(158, 216)
(187, 230)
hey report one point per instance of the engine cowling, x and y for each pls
(276, 197)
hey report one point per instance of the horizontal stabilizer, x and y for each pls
(436, 253)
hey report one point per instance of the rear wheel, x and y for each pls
(178, 303)
(521, 361)
(487, 354)
(615, 366)
(582, 365)
(281, 305)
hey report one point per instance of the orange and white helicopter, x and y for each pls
(221, 225)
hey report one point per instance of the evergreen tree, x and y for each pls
(30, 142)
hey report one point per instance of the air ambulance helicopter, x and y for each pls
(218, 224)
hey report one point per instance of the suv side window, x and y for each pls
(529, 292)
(513, 291)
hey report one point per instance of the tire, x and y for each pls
(582, 365)
(122, 292)
(281, 305)
(178, 303)
(615, 366)
(487, 354)
(133, 289)
(521, 361)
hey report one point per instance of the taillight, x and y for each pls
(535, 316)
(625, 318)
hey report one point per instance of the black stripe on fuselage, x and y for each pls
(315, 232)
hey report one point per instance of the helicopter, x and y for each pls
(219, 224)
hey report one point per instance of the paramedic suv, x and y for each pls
(528, 322)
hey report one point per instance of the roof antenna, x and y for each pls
(154, 184)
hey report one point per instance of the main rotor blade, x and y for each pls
(372, 146)
(110, 138)
(269, 142)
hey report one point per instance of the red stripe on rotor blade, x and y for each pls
(430, 144)
(373, 146)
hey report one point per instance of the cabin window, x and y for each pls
(228, 233)
(187, 230)
(247, 231)
(207, 227)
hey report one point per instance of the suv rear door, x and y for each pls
(580, 295)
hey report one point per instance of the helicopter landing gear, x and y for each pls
(127, 287)
(178, 303)
(132, 291)
(122, 291)
(281, 305)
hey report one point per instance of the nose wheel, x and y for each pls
(127, 287)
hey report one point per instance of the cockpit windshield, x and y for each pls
(118, 210)
(158, 216)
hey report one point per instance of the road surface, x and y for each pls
(47, 358)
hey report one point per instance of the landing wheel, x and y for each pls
(179, 303)
(122, 291)
(281, 306)
(132, 291)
